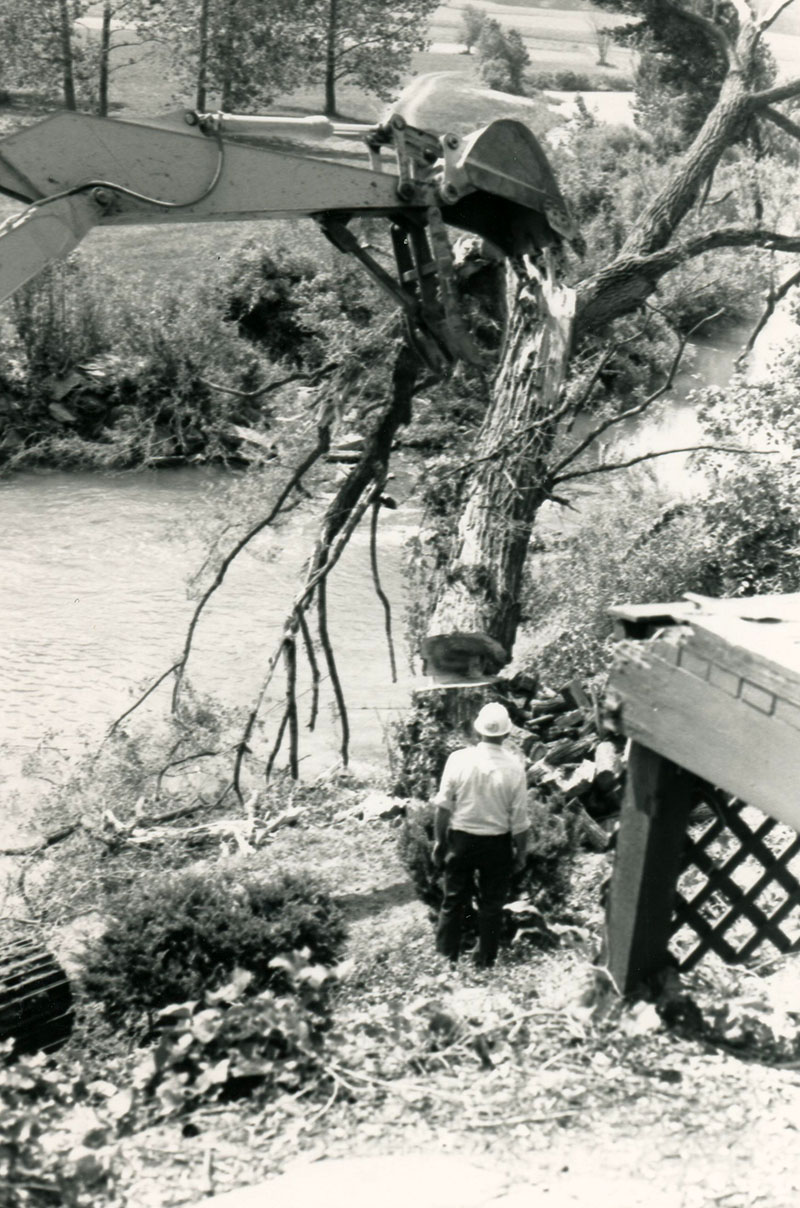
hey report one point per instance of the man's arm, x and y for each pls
(519, 843)
(441, 825)
(443, 801)
(520, 822)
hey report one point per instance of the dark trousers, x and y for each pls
(491, 858)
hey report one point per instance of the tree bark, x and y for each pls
(67, 62)
(202, 58)
(481, 590)
(105, 54)
(330, 58)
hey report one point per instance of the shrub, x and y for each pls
(93, 377)
(638, 548)
(231, 1044)
(179, 935)
(420, 744)
(50, 1135)
(503, 56)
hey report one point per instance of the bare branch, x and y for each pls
(771, 96)
(773, 298)
(781, 121)
(313, 665)
(176, 763)
(290, 661)
(772, 14)
(381, 594)
(714, 32)
(273, 755)
(49, 841)
(319, 450)
(333, 672)
(630, 412)
(271, 387)
(633, 461)
(142, 698)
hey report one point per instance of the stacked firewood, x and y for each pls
(568, 756)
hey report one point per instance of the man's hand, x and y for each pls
(438, 856)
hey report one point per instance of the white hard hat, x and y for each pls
(493, 720)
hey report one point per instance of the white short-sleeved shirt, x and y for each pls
(485, 791)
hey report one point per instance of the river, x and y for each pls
(93, 594)
(93, 604)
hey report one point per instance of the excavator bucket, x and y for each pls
(514, 200)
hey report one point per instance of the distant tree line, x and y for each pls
(232, 54)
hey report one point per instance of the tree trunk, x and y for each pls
(202, 58)
(330, 58)
(105, 53)
(480, 594)
(67, 63)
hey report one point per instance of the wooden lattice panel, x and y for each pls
(737, 889)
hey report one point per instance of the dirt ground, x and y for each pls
(616, 1111)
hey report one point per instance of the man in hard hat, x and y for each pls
(481, 826)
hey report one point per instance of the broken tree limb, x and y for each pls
(481, 589)
(311, 458)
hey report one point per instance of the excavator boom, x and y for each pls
(76, 171)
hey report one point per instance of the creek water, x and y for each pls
(93, 600)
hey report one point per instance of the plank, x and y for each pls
(698, 724)
(764, 654)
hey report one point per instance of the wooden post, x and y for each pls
(646, 867)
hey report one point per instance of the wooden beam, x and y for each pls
(646, 868)
(677, 696)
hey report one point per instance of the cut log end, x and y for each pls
(468, 658)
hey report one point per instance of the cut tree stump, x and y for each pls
(35, 996)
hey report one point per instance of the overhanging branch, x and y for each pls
(781, 121)
(772, 13)
(713, 32)
(607, 467)
(773, 298)
(772, 96)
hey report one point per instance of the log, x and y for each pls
(35, 996)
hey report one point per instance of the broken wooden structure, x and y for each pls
(35, 996)
(708, 692)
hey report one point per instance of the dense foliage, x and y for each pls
(233, 1043)
(175, 936)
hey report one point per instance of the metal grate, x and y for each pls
(737, 888)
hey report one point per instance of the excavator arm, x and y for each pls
(76, 172)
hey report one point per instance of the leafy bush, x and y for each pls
(637, 548)
(545, 878)
(94, 377)
(503, 56)
(233, 1043)
(177, 935)
(420, 744)
(578, 81)
(51, 1135)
